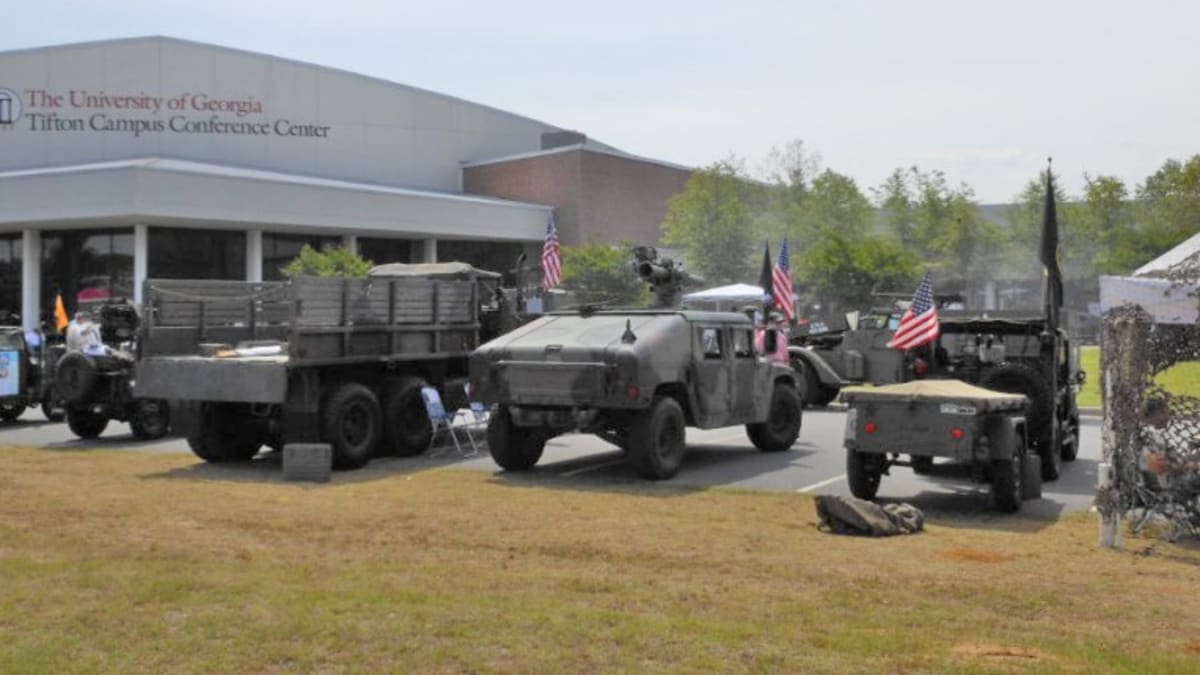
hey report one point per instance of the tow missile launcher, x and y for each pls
(666, 277)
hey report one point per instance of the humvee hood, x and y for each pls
(597, 330)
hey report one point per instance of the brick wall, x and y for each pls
(595, 195)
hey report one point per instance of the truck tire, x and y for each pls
(75, 377)
(782, 426)
(352, 423)
(1006, 484)
(86, 424)
(657, 439)
(149, 419)
(513, 448)
(222, 439)
(825, 394)
(1018, 378)
(9, 412)
(406, 427)
(53, 409)
(1070, 439)
(863, 473)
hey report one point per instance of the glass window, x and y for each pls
(743, 344)
(195, 254)
(281, 249)
(384, 251)
(10, 279)
(89, 268)
(710, 342)
(495, 256)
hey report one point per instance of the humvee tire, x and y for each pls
(406, 428)
(86, 424)
(782, 426)
(352, 423)
(816, 394)
(149, 419)
(513, 448)
(1018, 378)
(222, 439)
(863, 474)
(656, 440)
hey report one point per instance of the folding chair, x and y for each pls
(440, 419)
(478, 409)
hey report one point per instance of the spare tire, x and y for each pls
(1018, 378)
(75, 377)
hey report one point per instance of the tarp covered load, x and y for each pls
(947, 391)
(442, 270)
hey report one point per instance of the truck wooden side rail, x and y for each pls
(339, 360)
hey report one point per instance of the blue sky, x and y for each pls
(982, 91)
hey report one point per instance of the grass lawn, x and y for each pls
(118, 562)
(1182, 378)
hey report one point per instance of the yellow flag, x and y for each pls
(60, 314)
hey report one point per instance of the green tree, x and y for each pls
(1107, 241)
(602, 273)
(712, 222)
(834, 203)
(939, 224)
(334, 262)
(843, 272)
(1169, 207)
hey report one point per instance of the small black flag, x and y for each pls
(766, 278)
(1049, 255)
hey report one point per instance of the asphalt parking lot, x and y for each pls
(716, 458)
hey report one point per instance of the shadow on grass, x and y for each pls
(267, 467)
(116, 442)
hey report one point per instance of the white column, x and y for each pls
(31, 279)
(989, 295)
(427, 252)
(141, 252)
(350, 242)
(254, 255)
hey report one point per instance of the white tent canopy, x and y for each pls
(1152, 287)
(731, 297)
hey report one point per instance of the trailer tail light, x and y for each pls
(633, 393)
(869, 427)
(957, 434)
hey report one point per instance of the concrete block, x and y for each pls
(307, 462)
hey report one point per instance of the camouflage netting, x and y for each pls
(1134, 350)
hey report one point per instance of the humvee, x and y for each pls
(925, 419)
(634, 378)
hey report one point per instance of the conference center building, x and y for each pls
(154, 157)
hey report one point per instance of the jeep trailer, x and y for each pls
(334, 360)
(927, 419)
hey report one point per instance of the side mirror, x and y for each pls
(770, 341)
(1079, 378)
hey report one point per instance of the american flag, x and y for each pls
(551, 257)
(919, 324)
(782, 289)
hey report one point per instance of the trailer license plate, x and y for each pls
(955, 409)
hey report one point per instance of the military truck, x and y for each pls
(27, 376)
(336, 360)
(925, 419)
(634, 378)
(97, 387)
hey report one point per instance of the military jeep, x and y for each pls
(634, 378)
